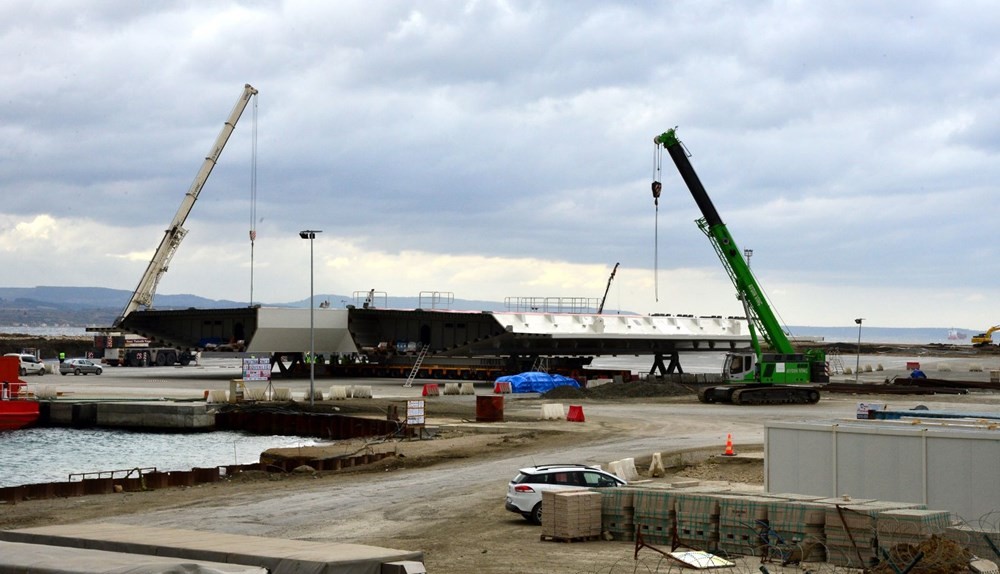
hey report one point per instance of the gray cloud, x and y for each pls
(846, 143)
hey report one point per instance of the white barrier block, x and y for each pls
(975, 368)
(282, 394)
(451, 388)
(615, 468)
(597, 382)
(46, 392)
(552, 411)
(338, 392)
(362, 391)
(254, 394)
(628, 467)
(467, 389)
(656, 466)
(218, 396)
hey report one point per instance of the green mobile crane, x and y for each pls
(774, 373)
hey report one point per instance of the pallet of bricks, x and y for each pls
(743, 524)
(618, 512)
(851, 529)
(795, 529)
(571, 515)
(982, 539)
(654, 515)
(690, 518)
(900, 532)
(697, 521)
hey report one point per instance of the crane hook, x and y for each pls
(657, 187)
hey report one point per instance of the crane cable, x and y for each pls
(253, 191)
(656, 188)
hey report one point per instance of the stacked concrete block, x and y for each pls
(910, 526)
(851, 535)
(742, 521)
(618, 512)
(571, 514)
(697, 520)
(655, 515)
(980, 539)
(795, 530)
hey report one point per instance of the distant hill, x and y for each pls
(88, 306)
(83, 306)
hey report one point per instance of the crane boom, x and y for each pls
(760, 313)
(606, 289)
(771, 375)
(172, 237)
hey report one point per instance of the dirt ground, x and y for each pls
(483, 537)
(476, 534)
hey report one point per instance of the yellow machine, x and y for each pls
(986, 338)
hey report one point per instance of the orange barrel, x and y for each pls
(489, 408)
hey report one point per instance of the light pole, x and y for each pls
(310, 234)
(748, 253)
(857, 364)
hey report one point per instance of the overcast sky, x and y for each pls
(499, 149)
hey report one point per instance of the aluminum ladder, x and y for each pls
(541, 364)
(416, 365)
(836, 364)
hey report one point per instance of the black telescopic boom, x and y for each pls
(669, 140)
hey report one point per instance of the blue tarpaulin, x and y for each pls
(535, 382)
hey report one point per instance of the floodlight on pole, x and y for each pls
(310, 234)
(857, 364)
(748, 253)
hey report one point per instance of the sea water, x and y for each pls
(52, 454)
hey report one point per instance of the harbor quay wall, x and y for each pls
(169, 416)
(197, 416)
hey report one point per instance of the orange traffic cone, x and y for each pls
(729, 446)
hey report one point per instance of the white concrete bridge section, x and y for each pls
(276, 555)
(42, 559)
(465, 333)
(445, 333)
